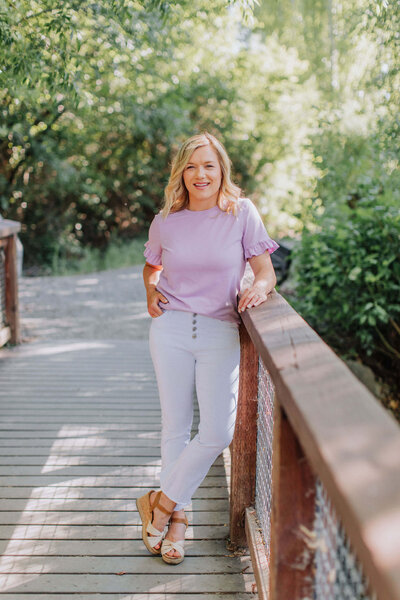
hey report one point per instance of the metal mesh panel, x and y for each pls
(265, 425)
(337, 573)
(2, 288)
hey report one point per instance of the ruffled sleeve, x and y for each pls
(153, 247)
(255, 238)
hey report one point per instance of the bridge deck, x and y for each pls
(79, 441)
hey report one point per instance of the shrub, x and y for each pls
(348, 283)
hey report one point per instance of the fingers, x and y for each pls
(152, 306)
(251, 297)
(246, 299)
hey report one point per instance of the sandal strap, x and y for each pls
(168, 545)
(153, 531)
(179, 520)
(158, 504)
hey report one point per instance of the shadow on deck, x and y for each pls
(80, 436)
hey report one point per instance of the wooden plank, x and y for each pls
(293, 511)
(127, 492)
(352, 443)
(93, 471)
(56, 460)
(121, 547)
(105, 517)
(165, 581)
(5, 335)
(79, 450)
(116, 564)
(8, 227)
(57, 410)
(49, 423)
(258, 553)
(12, 310)
(100, 504)
(101, 532)
(66, 444)
(132, 596)
(100, 481)
(244, 443)
(71, 431)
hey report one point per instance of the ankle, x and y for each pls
(167, 502)
(159, 514)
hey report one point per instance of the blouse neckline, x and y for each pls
(205, 210)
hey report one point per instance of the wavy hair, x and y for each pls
(176, 196)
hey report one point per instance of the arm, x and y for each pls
(151, 276)
(264, 282)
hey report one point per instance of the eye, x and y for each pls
(189, 167)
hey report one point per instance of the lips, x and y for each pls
(200, 185)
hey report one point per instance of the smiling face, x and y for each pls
(202, 177)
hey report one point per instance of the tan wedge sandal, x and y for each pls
(168, 545)
(146, 508)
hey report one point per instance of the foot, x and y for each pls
(160, 519)
(176, 532)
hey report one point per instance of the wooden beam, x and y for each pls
(244, 443)
(293, 510)
(8, 228)
(259, 558)
(5, 335)
(350, 440)
(12, 312)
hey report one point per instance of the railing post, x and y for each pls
(244, 443)
(292, 518)
(11, 274)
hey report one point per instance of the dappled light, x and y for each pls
(68, 507)
(96, 99)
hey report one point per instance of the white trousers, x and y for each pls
(190, 350)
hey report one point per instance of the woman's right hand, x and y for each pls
(153, 298)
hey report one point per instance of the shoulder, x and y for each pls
(245, 204)
(246, 207)
(170, 218)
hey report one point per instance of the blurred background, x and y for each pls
(96, 97)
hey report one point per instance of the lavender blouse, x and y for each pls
(203, 254)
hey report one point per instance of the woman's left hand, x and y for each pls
(252, 296)
(264, 282)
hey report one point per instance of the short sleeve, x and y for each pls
(153, 249)
(255, 238)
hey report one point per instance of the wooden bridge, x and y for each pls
(313, 489)
(80, 431)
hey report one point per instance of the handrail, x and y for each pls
(8, 227)
(350, 442)
(9, 312)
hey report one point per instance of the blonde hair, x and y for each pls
(176, 196)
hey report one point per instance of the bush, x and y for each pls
(348, 283)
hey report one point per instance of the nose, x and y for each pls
(200, 171)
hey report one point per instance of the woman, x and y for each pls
(195, 259)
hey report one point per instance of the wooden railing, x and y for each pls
(9, 316)
(327, 427)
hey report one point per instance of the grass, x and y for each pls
(117, 254)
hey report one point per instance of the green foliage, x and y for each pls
(89, 132)
(348, 273)
(117, 254)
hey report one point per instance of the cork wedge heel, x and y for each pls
(146, 511)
